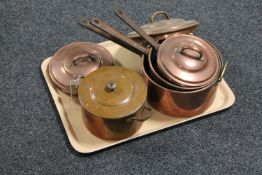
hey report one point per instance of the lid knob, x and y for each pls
(110, 87)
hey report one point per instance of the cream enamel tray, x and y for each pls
(70, 110)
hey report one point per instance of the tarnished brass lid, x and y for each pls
(165, 26)
(76, 60)
(112, 92)
(188, 61)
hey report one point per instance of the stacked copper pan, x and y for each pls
(182, 70)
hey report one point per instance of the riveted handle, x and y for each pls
(100, 27)
(163, 13)
(146, 114)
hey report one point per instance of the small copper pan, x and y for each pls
(74, 61)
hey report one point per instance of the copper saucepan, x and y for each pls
(113, 100)
(167, 101)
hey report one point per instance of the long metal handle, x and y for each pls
(85, 23)
(124, 17)
(118, 37)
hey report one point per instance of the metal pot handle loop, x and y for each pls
(85, 58)
(222, 72)
(199, 57)
(153, 16)
(146, 114)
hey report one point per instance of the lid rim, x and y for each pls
(57, 64)
(174, 73)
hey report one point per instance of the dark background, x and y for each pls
(32, 137)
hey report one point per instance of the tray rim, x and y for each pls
(83, 151)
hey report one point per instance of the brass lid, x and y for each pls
(76, 60)
(165, 26)
(188, 61)
(112, 92)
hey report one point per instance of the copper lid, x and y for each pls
(76, 60)
(165, 26)
(112, 92)
(188, 61)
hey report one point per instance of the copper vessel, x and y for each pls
(113, 100)
(175, 102)
(74, 61)
(188, 61)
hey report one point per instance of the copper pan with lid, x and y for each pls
(74, 61)
(163, 29)
(113, 100)
(182, 102)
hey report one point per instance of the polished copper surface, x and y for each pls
(112, 92)
(113, 100)
(76, 60)
(115, 129)
(188, 61)
(156, 75)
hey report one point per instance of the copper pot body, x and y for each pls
(177, 103)
(115, 129)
